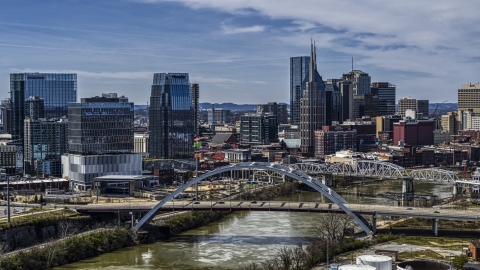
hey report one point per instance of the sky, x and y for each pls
(239, 50)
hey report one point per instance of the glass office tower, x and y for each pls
(101, 125)
(57, 90)
(299, 67)
(171, 117)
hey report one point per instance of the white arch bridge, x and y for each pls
(271, 167)
(378, 169)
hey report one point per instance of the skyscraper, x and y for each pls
(280, 110)
(386, 97)
(333, 104)
(361, 81)
(57, 90)
(34, 108)
(312, 106)
(346, 89)
(195, 94)
(45, 143)
(101, 125)
(299, 67)
(421, 106)
(171, 117)
(101, 140)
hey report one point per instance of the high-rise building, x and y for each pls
(386, 97)
(385, 123)
(101, 125)
(195, 94)
(421, 106)
(346, 89)
(328, 142)
(171, 126)
(360, 80)
(6, 111)
(413, 132)
(34, 108)
(365, 105)
(218, 116)
(450, 123)
(312, 107)
(299, 68)
(280, 110)
(45, 143)
(333, 104)
(258, 129)
(57, 90)
(469, 98)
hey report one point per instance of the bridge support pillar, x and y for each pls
(435, 226)
(327, 180)
(455, 190)
(407, 190)
(374, 224)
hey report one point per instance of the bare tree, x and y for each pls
(67, 229)
(298, 257)
(270, 264)
(333, 227)
(285, 255)
(51, 253)
(250, 266)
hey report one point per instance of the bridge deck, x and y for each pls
(314, 207)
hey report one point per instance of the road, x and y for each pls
(379, 210)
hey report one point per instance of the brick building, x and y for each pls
(328, 142)
(418, 132)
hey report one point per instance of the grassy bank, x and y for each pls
(191, 220)
(68, 250)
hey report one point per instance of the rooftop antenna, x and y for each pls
(352, 64)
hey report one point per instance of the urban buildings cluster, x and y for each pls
(47, 132)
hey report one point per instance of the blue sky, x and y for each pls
(239, 50)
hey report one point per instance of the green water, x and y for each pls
(241, 237)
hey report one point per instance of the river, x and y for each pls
(242, 237)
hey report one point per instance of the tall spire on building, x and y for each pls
(313, 62)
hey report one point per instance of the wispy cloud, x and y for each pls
(229, 29)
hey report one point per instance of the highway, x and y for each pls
(378, 210)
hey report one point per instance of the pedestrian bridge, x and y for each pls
(376, 169)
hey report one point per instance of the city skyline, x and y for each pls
(229, 47)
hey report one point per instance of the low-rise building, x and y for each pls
(238, 155)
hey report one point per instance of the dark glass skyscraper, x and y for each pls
(171, 117)
(57, 90)
(312, 106)
(101, 125)
(298, 70)
(386, 97)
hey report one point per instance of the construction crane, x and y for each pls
(436, 107)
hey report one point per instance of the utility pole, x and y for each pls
(8, 199)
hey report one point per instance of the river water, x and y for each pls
(243, 237)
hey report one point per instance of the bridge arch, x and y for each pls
(272, 167)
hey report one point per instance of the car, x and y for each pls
(409, 208)
(221, 202)
(197, 202)
(254, 201)
(436, 212)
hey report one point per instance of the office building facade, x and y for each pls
(6, 113)
(413, 132)
(333, 104)
(299, 68)
(312, 107)
(171, 117)
(328, 142)
(274, 108)
(218, 116)
(421, 106)
(360, 81)
(34, 108)
(346, 90)
(195, 94)
(57, 90)
(45, 142)
(101, 125)
(386, 93)
(258, 129)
